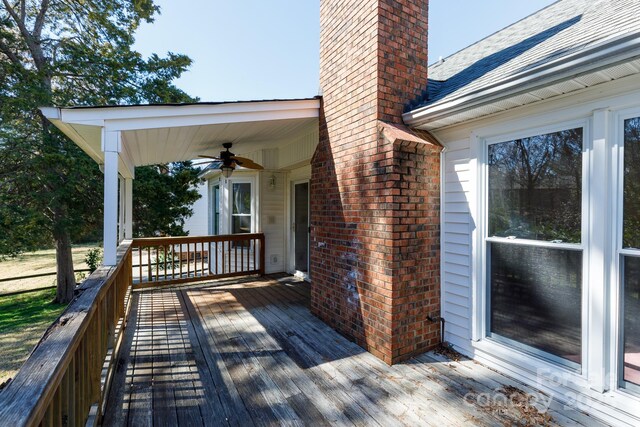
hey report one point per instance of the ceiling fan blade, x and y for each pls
(247, 163)
(209, 157)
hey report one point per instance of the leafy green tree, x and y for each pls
(66, 52)
(162, 198)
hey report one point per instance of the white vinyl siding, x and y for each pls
(197, 224)
(456, 246)
(272, 220)
(299, 150)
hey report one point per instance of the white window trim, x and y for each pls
(479, 204)
(598, 386)
(211, 210)
(615, 404)
(254, 201)
(617, 186)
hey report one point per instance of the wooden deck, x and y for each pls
(250, 353)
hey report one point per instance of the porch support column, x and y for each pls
(111, 146)
(597, 232)
(128, 208)
(121, 207)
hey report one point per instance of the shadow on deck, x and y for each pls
(248, 352)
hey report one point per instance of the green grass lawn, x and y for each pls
(23, 320)
(43, 261)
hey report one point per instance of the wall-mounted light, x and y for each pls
(272, 182)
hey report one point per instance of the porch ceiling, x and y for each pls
(153, 134)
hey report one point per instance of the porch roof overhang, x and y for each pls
(122, 137)
(159, 134)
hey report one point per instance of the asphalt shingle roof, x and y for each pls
(562, 28)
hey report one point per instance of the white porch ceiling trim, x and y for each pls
(165, 133)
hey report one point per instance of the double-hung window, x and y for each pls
(534, 244)
(241, 208)
(629, 253)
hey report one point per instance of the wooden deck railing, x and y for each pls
(66, 379)
(174, 260)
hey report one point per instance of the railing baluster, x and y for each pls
(181, 260)
(140, 263)
(255, 246)
(48, 417)
(86, 384)
(216, 258)
(70, 403)
(209, 258)
(189, 259)
(78, 386)
(149, 263)
(223, 255)
(164, 252)
(262, 255)
(57, 405)
(233, 255)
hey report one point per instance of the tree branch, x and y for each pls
(36, 50)
(37, 28)
(4, 48)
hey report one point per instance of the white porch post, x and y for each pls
(598, 216)
(128, 208)
(121, 206)
(111, 147)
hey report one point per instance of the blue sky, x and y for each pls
(257, 49)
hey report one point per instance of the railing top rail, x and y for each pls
(156, 241)
(25, 399)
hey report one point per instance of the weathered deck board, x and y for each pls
(248, 352)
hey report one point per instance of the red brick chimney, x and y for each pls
(375, 187)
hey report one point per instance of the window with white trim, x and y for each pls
(629, 252)
(534, 244)
(241, 208)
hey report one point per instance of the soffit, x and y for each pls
(170, 133)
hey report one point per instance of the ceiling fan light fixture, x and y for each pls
(227, 170)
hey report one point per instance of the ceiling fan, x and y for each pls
(230, 161)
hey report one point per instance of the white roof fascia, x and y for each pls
(603, 55)
(147, 114)
(138, 123)
(51, 113)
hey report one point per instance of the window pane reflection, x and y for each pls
(631, 230)
(535, 187)
(241, 198)
(632, 319)
(536, 297)
(241, 224)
